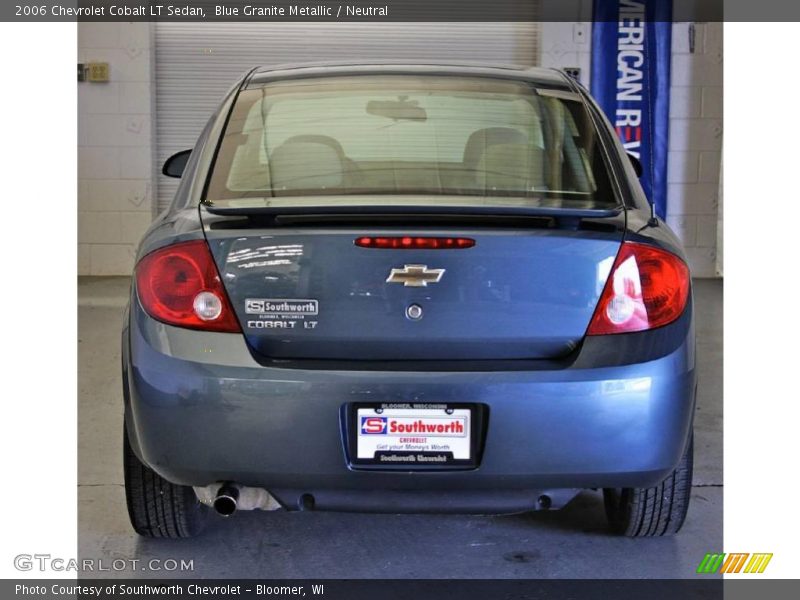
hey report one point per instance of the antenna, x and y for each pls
(653, 220)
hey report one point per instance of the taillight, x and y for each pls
(180, 285)
(647, 288)
(414, 242)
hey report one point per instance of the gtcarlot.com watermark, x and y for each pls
(47, 562)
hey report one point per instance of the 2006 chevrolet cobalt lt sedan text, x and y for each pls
(407, 288)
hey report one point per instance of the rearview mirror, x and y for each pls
(175, 164)
(399, 110)
(637, 165)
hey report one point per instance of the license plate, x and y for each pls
(414, 436)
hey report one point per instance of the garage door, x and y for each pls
(197, 62)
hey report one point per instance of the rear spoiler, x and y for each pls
(416, 209)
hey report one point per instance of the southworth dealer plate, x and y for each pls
(415, 436)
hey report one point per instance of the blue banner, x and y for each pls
(631, 43)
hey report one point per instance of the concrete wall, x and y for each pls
(115, 139)
(568, 45)
(695, 143)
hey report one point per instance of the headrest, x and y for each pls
(479, 141)
(305, 164)
(511, 167)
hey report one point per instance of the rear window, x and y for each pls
(469, 139)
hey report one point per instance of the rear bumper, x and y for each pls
(200, 409)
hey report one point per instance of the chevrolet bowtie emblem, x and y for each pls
(415, 275)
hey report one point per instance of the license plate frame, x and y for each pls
(436, 460)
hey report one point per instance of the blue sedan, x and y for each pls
(407, 288)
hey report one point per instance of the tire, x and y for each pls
(654, 511)
(156, 507)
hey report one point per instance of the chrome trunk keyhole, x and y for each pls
(414, 312)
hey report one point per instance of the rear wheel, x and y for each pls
(156, 507)
(654, 511)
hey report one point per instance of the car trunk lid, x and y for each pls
(303, 289)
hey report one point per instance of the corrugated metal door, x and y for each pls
(197, 62)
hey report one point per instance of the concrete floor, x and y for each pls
(571, 543)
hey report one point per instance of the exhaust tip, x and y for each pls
(306, 502)
(226, 500)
